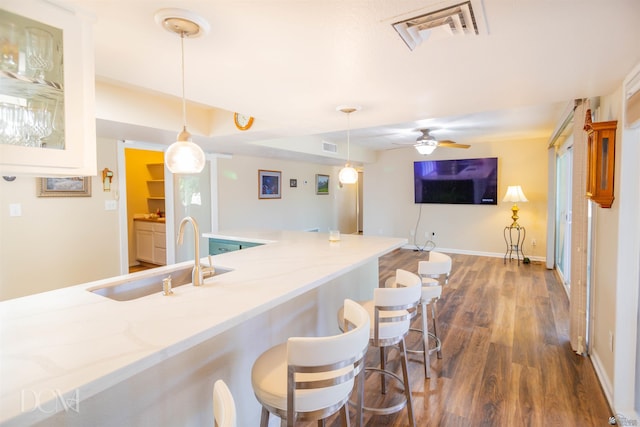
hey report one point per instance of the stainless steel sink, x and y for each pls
(140, 287)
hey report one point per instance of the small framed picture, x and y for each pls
(75, 186)
(293, 183)
(322, 184)
(269, 184)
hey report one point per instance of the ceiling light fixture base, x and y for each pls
(182, 22)
(348, 109)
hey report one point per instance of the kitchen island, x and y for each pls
(74, 357)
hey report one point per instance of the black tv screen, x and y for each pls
(461, 181)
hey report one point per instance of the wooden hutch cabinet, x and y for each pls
(601, 150)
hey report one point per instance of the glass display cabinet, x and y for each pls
(47, 91)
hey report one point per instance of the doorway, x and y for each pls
(143, 211)
(564, 165)
(165, 194)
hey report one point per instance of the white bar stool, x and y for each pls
(391, 311)
(434, 272)
(310, 379)
(224, 407)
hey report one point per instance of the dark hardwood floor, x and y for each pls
(506, 358)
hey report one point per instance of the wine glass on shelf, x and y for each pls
(8, 47)
(39, 51)
(39, 122)
(56, 140)
(11, 124)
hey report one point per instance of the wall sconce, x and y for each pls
(107, 176)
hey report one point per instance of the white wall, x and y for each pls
(299, 208)
(57, 241)
(605, 255)
(389, 207)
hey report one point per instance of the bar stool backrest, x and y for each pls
(324, 368)
(224, 408)
(436, 267)
(394, 308)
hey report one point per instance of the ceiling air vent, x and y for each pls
(328, 147)
(454, 21)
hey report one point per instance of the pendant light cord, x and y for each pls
(184, 102)
(348, 137)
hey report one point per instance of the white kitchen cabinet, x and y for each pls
(67, 86)
(151, 242)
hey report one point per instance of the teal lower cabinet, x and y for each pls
(220, 246)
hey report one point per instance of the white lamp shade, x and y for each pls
(348, 175)
(425, 149)
(184, 157)
(514, 195)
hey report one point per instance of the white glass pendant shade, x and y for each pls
(184, 156)
(348, 175)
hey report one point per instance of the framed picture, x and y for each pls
(322, 184)
(293, 183)
(269, 184)
(75, 186)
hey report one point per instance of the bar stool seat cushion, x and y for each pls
(269, 380)
(431, 292)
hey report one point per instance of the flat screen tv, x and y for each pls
(460, 181)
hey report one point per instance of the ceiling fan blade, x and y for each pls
(452, 144)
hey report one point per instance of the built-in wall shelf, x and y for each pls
(155, 187)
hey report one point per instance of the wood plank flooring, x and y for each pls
(506, 358)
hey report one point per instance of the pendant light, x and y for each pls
(348, 175)
(183, 156)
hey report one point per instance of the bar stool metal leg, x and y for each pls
(435, 329)
(407, 385)
(425, 342)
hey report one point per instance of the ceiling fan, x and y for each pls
(425, 144)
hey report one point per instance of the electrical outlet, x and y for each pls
(412, 233)
(533, 242)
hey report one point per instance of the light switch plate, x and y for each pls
(15, 209)
(110, 205)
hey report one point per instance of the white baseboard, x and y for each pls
(475, 253)
(602, 376)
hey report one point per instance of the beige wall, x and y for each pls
(300, 208)
(389, 207)
(57, 241)
(605, 230)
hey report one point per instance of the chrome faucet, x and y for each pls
(199, 271)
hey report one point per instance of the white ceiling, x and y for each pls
(289, 63)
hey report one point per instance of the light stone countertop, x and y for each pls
(73, 342)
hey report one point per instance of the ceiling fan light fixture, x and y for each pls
(183, 156)
(425, 149)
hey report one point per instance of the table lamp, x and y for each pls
(514, 195)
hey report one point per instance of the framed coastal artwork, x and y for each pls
(269, 184)
(75, 186)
